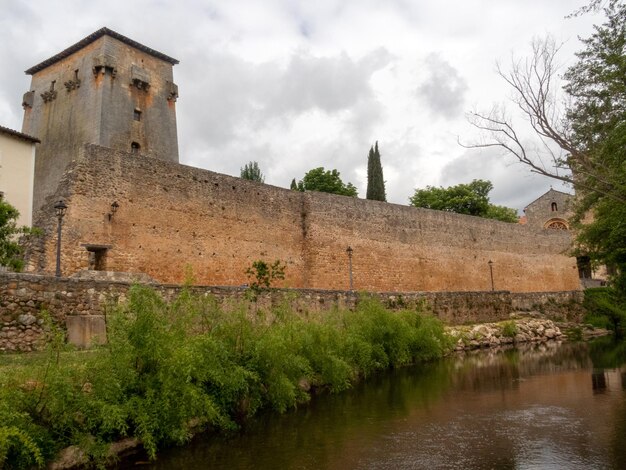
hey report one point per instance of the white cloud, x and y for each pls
(295, 84)
(444, 89)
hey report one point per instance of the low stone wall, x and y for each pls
(555, 305)
(79, 304)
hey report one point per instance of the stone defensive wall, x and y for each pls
(175, 219)
(80, 304)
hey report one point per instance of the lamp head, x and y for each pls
(60, 208)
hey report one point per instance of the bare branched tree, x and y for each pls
(593, 6)
(535, 87)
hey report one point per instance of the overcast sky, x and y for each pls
(296, 85)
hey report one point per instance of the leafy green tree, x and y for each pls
(604, 238)
(375, 180)
(294, 185)
(470, 199)
(326, 181)
(252, 172)
(597, 125)
(502, 213)
(11, 251)
(590, 133)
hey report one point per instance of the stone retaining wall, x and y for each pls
(80, 303)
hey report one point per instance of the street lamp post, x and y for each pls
(349, 251)
(490, 263)
(59, 209)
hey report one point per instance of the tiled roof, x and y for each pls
(91, 38)
(19, 135)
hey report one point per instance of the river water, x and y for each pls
(542, 407)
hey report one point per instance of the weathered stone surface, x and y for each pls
(70, 457)
(27, 318)
(72, 299)
(84, 331)
(101, 109)
(492, 334)
(172, 216)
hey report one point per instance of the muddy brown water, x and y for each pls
(546, 406)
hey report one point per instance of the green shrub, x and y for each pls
(509, 329)
(605, 309)
(575, 334)
(168, 366)
(17, 445)
(263, 275)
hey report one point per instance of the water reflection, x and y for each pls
(516, 409)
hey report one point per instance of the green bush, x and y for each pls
(171, 368)
(509, 329)
(605, 309)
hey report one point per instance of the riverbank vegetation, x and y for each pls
(606, 308)
(172, 369)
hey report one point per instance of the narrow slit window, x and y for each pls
(137, 114)
(135, 147)
(553, 206)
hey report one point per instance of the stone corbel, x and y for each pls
(74, 83)
(28, 99)
(140, 84)
(103, 64)
(172, 91)
(103, 69)
(139, 78)
(49, 95)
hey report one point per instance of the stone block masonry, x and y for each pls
(173, 219)
(80, 304)
(105, 90)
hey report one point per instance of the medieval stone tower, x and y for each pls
(107, 90)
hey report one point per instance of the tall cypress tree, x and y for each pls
(252, 172)
(375, 180)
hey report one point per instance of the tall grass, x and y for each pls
(171, 369)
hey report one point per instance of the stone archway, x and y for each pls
(556, 224)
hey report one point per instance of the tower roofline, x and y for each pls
(91, 38)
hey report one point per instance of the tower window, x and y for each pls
(553, 207)
(134, 147)
(137, 115)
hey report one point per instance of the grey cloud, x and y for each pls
(233, 98)
(444, 89)
(328, 83)
(218, 96)
(402, 161)
(17, 22)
